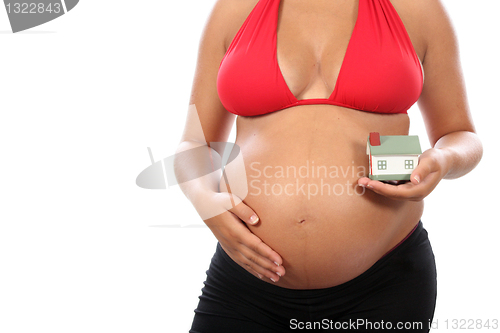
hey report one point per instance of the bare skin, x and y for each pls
(303, 241)
(327, 229)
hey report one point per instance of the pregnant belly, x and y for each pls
(327, 230)
(301, 181)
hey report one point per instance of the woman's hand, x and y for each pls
(244, 247)
(433, 165)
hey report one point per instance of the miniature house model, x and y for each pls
(392, 157)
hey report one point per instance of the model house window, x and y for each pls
(408, 164)
(382, 165)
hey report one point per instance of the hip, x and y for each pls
(399, 287)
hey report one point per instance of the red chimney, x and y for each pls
(374, 139)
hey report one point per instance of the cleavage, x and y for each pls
(312, 41)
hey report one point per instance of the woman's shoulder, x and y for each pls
(426, 21)
(426, 14)
(230, 15)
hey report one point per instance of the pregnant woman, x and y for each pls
(308, 241)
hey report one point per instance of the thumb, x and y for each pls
(235, 205)
(422, 170)
(245, 213)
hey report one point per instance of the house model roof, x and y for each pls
(395, 145)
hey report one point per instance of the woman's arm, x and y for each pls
(456, 149)
(208, 122)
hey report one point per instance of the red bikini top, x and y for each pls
(380, 72)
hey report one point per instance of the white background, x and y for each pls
(83, 249)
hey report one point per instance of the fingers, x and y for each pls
(388, 190)
(397, 192)
(428, 173)
(243, 246)
(256, 257)
(260, 257)
(415, 190)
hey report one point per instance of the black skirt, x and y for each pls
(397, 293)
